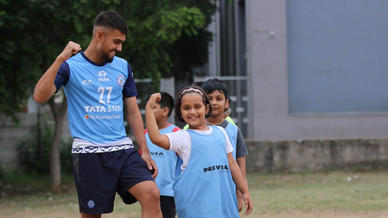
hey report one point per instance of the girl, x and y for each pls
(203, 188)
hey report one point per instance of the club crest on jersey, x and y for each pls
(91, 204)
(120, 80)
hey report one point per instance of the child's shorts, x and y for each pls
(98, 176)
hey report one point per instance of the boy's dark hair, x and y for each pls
(111, 19)
(187, 90)
(215, 84)
(166, 101)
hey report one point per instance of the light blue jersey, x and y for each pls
(232, 130)
(95, 98)
(166, 160)
(204, 189)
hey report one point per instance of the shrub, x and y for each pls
(34, 154)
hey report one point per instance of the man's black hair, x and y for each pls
(215, 84)
(111, 19)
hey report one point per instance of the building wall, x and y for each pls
(12, 135)
(312, 155)
(267, 66)
(336, 56)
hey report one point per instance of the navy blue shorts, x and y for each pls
(98, 176)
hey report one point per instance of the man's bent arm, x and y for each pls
(136, 123)
(45, 87)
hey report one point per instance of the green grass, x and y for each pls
(317, 194)
(324, 192)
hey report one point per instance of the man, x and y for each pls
(96, 84)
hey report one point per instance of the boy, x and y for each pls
(219, 100)
(165, 160)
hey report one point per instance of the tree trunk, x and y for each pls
(58, 110)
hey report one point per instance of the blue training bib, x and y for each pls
(204, 189)
(166, 160)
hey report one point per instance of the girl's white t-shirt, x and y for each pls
(180, 142)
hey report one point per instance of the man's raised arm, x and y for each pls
(45, 87)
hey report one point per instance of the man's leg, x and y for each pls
(84, 215)
(147, 193)
(96, 182)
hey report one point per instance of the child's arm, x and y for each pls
(152, 126)
(241, 183)
(242, 152)
(241, 162)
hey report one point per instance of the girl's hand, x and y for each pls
(248, 203)
(154, 98)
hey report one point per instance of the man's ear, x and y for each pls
(100, 35)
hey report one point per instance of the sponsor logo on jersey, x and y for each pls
(120, 80)
(86, 116)
(101, 109)
(102, 73)
(215, 167)
(102, 76)
(155, 153)
(86, 82)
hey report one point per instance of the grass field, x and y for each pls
(323, 194)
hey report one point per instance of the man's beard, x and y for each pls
(106, 58)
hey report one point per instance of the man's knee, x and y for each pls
(146, 192)
(152, 195)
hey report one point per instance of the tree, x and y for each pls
(37, 30)
(16, 57)
(191, 50)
